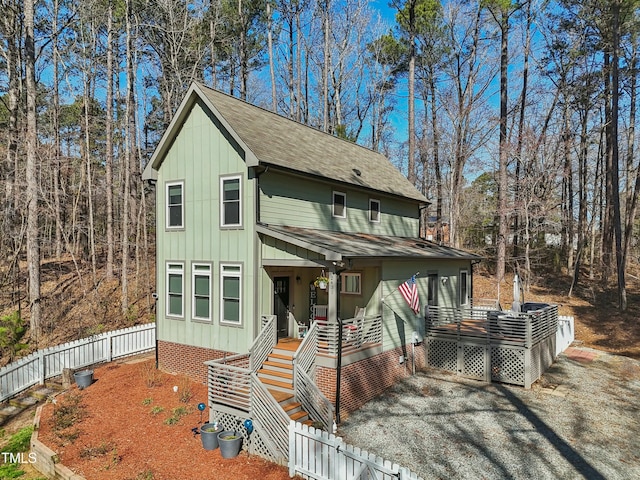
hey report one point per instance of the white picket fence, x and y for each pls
(318, 455)
(38, 366)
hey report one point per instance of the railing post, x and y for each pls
(42, 367)
(109, 347)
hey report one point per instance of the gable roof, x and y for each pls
(271, 139)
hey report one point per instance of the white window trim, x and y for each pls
(466, 286)
(240, 202)
(371, 219)
(236, 274)
(343, 283)
(169, 271)
(333, 204)
(195, 272)
(167, 224)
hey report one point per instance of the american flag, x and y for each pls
(409, 291)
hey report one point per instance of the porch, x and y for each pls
(491, 345)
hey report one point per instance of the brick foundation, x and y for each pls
(364, 380)
(361, 381)
(186, 359)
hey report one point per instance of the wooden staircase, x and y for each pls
(277, 374)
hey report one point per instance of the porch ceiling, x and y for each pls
(339, 245)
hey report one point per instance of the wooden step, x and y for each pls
(284, 354)
(279, 366)
(267, 372)
(281, 397)
(277, 385)
(292, 407)
(299, 416)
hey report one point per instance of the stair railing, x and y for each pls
(270, 420)
(306, 391)
(264, 343)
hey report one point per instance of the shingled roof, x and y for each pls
(271, 139)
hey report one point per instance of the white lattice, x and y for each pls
(442, 354)
(474, 362)
(507, 365)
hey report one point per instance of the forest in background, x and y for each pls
(516, 119)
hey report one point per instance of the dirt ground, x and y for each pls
(123, 432)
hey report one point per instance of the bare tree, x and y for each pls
(469, 72)
(33, 243)
(109, 143)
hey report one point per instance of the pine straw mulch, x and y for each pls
(119, 429)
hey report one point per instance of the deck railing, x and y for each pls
(229, 383)
(356, 333)
(515, 328)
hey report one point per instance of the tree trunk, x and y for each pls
(523, 107)
(128, 158)
(411, 167)
(503, 153)
(615, 96)
(109, 146)
(33, 245)
(436, 155)
(325, 69)
(272, 72)
(57, 153)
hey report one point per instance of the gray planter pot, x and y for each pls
(229, 447)
(83, 378)
(209, 436)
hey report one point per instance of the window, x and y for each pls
(464, 287)
(175, 205)
(175, 289)
(231, 294)
(374, 210)
(339, 204)
(432, 289)
(351, 283)
(231, 208)
(201, 290)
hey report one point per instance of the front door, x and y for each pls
(281, 304)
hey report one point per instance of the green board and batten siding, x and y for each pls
(307, 203)
(198, 156)
(399, 321)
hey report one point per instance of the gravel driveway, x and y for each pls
(581, 420)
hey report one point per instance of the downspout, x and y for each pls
(257, 172)
(338, 273)
(339, 363)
